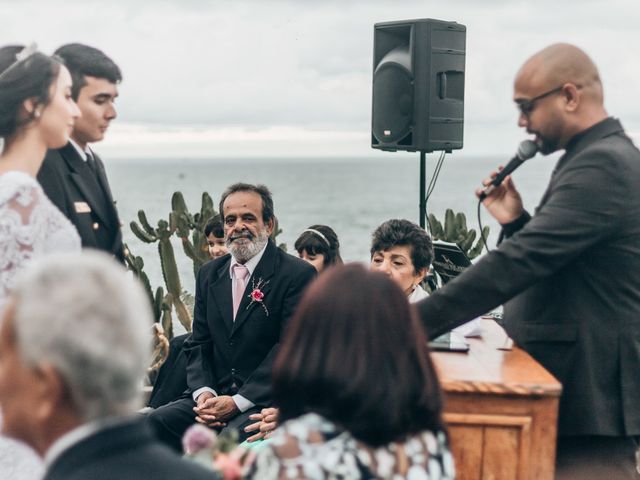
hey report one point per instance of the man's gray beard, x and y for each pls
(244, 253)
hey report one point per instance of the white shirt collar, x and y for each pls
(82, 153)
(251, 264)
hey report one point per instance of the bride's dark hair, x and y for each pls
(30, 77)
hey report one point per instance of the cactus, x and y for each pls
(455, 230)
(162, 234)
(186, 224)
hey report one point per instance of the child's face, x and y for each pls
(217, 247)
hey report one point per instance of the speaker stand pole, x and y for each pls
(423, 190)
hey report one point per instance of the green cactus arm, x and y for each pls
(142, 234)
(461, 224)
(181, 224)
(157, 304)
(207, 211)
(479, 244)
(467, 242)
(449, 226)
(436, 227)
(183, 313)
(189, 250)
(169, 267)
(178, 204)
(144, 222)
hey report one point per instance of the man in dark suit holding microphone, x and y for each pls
(73, 177)
(568, 275)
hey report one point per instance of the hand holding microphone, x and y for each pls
(526, 150)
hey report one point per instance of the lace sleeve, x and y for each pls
(19, 237)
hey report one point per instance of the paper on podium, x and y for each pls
(470, 329)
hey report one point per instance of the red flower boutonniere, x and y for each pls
(257, 295)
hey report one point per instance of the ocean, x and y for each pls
(351, 195)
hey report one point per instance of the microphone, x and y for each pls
(526, 150)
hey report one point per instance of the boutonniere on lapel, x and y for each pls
(257, 295)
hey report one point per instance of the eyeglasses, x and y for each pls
(526, 105)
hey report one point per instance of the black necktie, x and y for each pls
(91, 162)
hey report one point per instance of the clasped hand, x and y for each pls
(266, 422)
(215, 411)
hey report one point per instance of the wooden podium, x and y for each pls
(501, 408)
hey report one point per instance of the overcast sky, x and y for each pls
(293, 77)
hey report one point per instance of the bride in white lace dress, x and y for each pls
(36, 113)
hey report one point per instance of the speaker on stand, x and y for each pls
(418, 89)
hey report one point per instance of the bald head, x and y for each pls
(562, 63)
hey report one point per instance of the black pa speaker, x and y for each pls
(418, 85)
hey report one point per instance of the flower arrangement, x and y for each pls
(219, 453)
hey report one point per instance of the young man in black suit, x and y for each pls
(568, 275)
(74, 339)
(243, 304)
(73, 176)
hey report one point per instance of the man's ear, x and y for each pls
(422, 273)
(271, 225)
(572, 96)
(52, 392)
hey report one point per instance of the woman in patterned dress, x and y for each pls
(357, 392)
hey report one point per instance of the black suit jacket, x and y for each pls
(71, 185)
(571, 278)
(126, 451)
(223, 353)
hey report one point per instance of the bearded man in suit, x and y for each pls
(244, 301)
(75, 343)
(74, 177)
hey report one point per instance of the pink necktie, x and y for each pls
(240, 274)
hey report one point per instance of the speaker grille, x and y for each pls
(392, 103)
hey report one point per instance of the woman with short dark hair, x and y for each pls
(358, 394)
(404, 251)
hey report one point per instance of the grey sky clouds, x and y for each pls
(226, 77)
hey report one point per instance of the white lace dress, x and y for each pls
(30, 227)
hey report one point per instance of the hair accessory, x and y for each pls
(26, 52)
(318, 234)
(23, 54)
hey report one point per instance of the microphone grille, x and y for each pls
(527, 149)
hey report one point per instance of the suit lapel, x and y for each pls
(82, 177)
(220, 291)
(262, 274)
(102, 178)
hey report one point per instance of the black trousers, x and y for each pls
(587, 457)
(169, 422)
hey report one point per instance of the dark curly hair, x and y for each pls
(404, 233)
